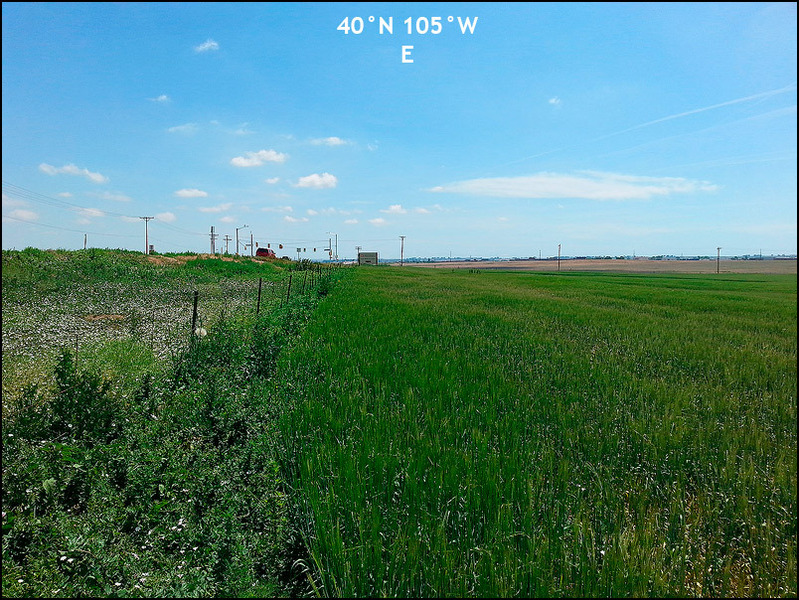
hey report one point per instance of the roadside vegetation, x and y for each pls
(144, 462)
(394, 432)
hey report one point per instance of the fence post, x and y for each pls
(258, 306)
(194, 312)
(288, 291)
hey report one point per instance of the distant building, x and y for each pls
(367, 258)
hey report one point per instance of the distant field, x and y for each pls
(785, 267)
(499, 434)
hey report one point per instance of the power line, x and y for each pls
(37, 224)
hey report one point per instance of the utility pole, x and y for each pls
(251, 244)
(213, 240)
(237, 238)
(146, 239)
(558, 257)
(402, 250)
(85, 240)
(332, 247)
(227, 239)
(718, 257)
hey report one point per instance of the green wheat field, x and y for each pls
(378, 431)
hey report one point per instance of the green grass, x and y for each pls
(511, 434)
(128, 471)
(394, 432)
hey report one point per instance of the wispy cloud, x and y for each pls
(71, 169)
(91, 213)
(166, 217)
(290, 219)
(378, 222)
(394, 209)
(22, 214)
(556, 102)
(216, 209)
(185, 129)
(114, 197)
(256, 159)
(190, 193)
(278, 209)
(162, 99)
(272, 180)
(351, 221)
(590, 185)
(207, 46)
(330, 141)
(317, 181)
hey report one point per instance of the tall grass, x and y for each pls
(476, 434)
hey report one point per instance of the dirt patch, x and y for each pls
(784, 267)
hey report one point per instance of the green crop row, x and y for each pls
(547, 435)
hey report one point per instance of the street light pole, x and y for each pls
(332, 247)
(402, 250)
(237, 237)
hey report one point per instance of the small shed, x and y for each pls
(367, 258)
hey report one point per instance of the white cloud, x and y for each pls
(351, 222)
(421, 211)
(71, 169)
(166, 217)
(278, 209)
(378, 222)
(590, 185)
(8, 202)
(272, 180)
(256, 159)
(91, 213)
(228, 219)
(185, 129)
(64, 195)
(555, 101)
(113, 197)
(330, 141)
(22, 214)
(216, 209)
(394, 209)
(290, 219)
(207, 46)
(162, 99)
(316, 181)
(311, 212)
(190, 193)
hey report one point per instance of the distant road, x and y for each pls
(786, 267)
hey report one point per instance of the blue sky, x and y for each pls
(610, 129)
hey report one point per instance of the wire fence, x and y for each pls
(80, 316)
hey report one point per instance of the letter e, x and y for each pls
(406, 54)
